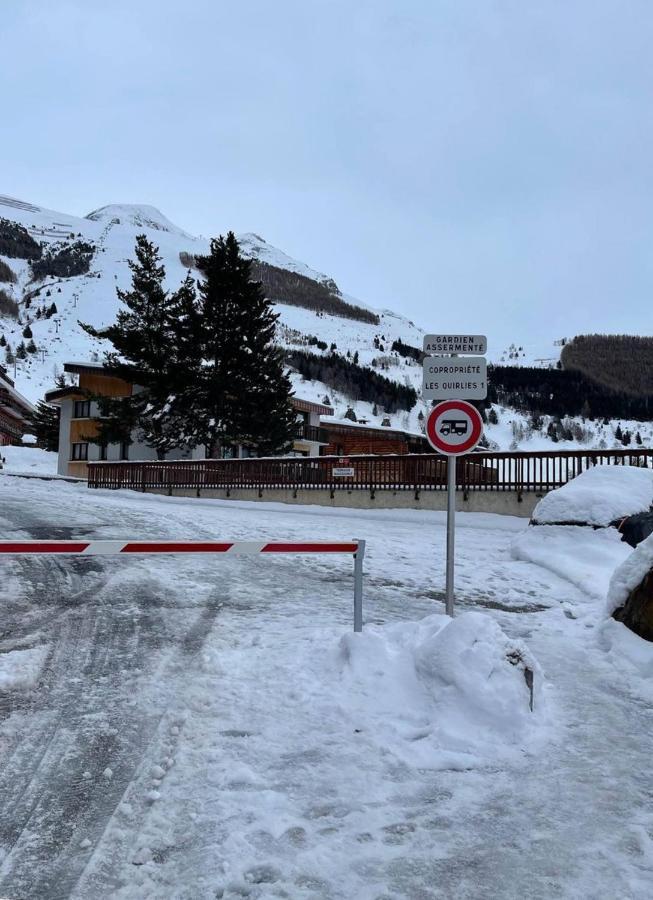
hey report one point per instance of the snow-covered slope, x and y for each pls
(91, 298)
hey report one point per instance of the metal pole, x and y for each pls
(358, 585)
(451, 530)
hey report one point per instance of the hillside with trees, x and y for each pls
(357, 382)
(562, 392)
(620, 362)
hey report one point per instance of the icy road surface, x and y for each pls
(171, 732)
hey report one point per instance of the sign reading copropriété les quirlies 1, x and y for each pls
(453, 375)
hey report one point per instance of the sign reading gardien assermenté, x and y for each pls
(454, 343)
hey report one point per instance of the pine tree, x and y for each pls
(240, 393)
(618, 433)
(45, 423)
(638, 439)
(144, 354)
(21, 351)
(10, 359)
(3, 341)
(27, 331)
(31, 347)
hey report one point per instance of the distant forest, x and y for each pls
(64, 260)
(283, 286)
(8, 306)
(16, 242)
(562, 392)
(6, 274)
(298, 290)
(353, 380)
(620, 362)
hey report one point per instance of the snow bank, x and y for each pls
(584, 556)
(630, 574)
(28, 461)
(631, 655)
(19, 669)
(442, 693)
(598, 496)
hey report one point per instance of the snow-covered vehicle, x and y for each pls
(603, 496)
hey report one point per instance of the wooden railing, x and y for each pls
(521, 472)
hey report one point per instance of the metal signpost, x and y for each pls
(454, 427)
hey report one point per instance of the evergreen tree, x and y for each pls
(143, 354)
(3, 341)
(31, 347)
(21, 351)
(618, 433)
(240, 392)
(45, 424)
(27, 331)
(10, 359)
(638, 439)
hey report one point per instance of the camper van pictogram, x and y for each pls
(454, 426)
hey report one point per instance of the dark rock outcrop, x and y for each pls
(637, 611)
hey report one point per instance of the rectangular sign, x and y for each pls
(455, 343)
(343, 472)
(448, 378)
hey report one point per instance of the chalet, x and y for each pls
(80, 416)
(347, 438)
(15, 412)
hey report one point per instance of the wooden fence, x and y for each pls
(520, 472)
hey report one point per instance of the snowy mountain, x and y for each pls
(81, 262)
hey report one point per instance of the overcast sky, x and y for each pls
(474, 164)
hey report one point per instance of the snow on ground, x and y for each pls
(582, 555)
(28, 461)
(19, 669)
(212, 728)
(598, 496)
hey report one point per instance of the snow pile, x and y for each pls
(630, 574)
(20, 669)
(28, 461)
(442, 693)
(583, 556)
(598, 496)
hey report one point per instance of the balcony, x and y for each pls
(311, 433)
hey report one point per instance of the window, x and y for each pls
(82, 409)
(103, 451)
(80, 451)
(124, 450)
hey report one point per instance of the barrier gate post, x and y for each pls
(358, 585)
(236, 548)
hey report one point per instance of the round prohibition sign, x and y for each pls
(454, 427)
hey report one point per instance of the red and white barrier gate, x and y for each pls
(238, 548)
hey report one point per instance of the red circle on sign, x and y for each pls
(438, 443)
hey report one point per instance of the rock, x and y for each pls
(630, 597)
(637, 612)
(635, 529)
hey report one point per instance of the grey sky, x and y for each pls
(468, 163)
